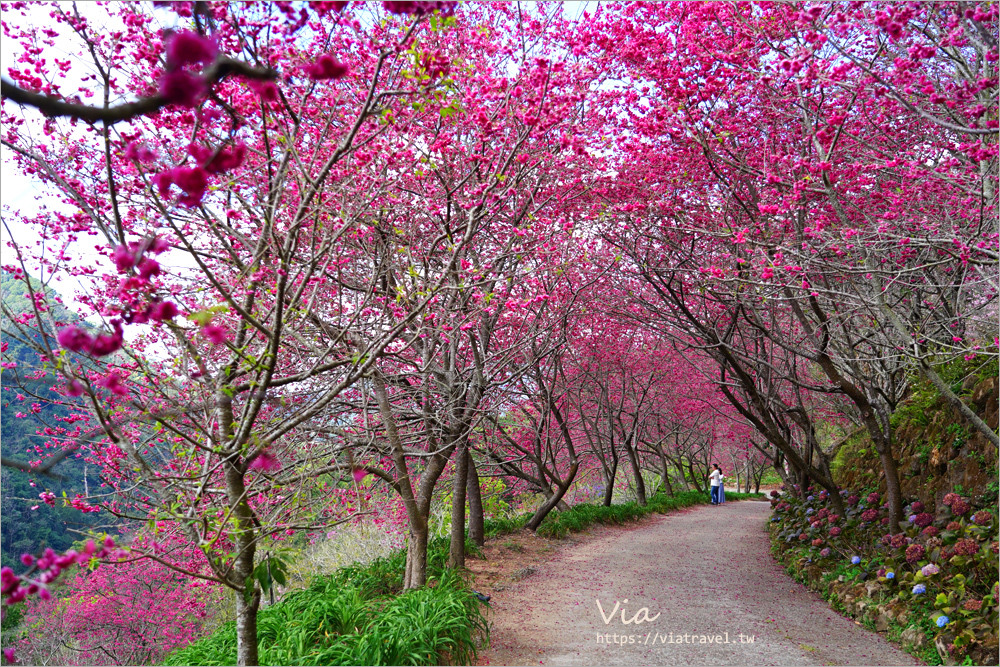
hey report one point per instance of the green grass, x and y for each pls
(497, 527)
(359, 616)
(581, 517)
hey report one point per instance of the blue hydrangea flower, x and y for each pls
(919, 589)
(810, 497)
(855, 560)
(913, 517)
(810, 511)
(890, 575)
(943, 621)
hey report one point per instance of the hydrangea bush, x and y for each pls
(943, 563)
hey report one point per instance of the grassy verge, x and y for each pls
(359, 616)
(581, 517)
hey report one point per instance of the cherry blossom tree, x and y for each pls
(235, 226)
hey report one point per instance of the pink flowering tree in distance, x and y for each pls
(313, 244)
(828, 173)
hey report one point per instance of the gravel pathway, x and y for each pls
(710, 585)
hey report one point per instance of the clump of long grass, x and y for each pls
(360, 616)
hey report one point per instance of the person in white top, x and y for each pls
(715, 479)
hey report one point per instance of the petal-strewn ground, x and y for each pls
(714, 596)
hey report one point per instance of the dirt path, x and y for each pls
(707, 572)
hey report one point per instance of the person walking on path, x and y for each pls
(715, 479)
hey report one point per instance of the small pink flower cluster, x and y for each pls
(914, 553)
(982, 518)
(420, 8)
(966, 547)
(75, 339)
(898, 541)
(178, 86)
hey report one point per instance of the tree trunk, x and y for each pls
(246, 629)
(695, 479)
(640, 485)
(477, 519)
(456, 555)
(245, 541)
(609, 473)
(665, 474)
(552, 500)
(894, 496)
(416, 558)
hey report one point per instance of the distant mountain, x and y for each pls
(26, 530)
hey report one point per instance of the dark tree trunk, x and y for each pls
(665, 473)
(477, 519)
(416, 558)
(553, 500)
(695, 479)
(456, 555)
(640, 485)
(609, 473)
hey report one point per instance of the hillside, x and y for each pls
(27, 530)
(937, 450)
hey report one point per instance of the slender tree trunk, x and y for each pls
(246, 629)
(552, 501)
(416, 558)
(640, 485)
(894, 495)
(245, 541)
(609, 484)
(456, 555)
(695, 479)
(416, 547)
(665, 473)
(477, 519)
